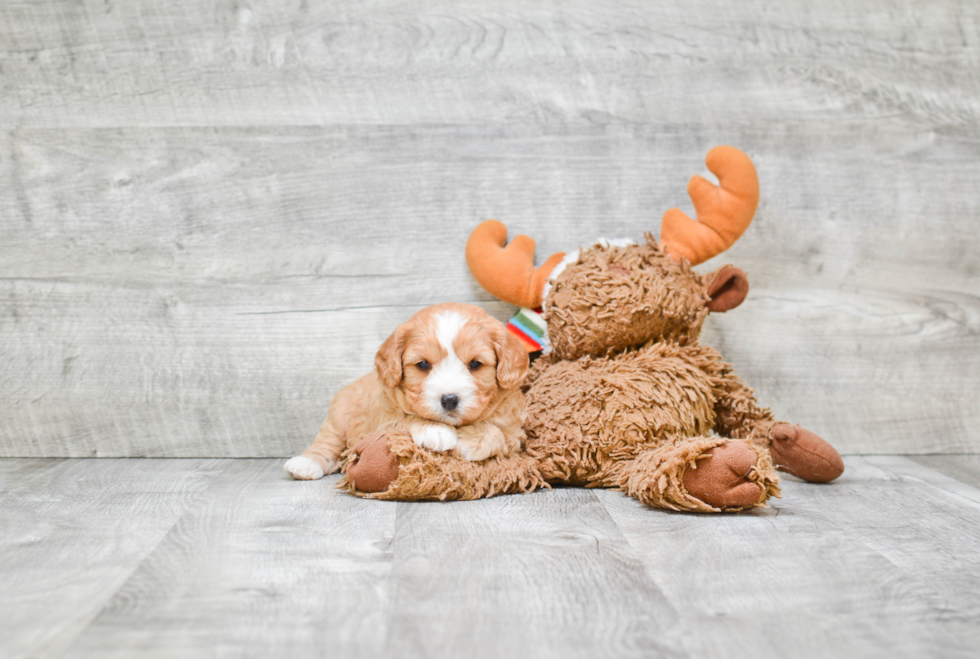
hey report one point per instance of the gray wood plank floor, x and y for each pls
(203, 558)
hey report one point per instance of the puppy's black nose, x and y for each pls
(450, 402)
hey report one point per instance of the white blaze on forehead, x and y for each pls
(450, 375)
(447, 327)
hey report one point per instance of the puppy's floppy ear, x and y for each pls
(512, 358)
(388, 361)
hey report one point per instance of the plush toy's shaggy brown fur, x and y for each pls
(627, 398)
(636, 408)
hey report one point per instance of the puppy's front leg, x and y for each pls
(321, 458)
(485, 440)
(433, 436)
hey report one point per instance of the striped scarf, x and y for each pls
(530, 328)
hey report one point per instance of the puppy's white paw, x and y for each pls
(436, 438)
(304, 469)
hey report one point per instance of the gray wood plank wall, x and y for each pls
(212, 213)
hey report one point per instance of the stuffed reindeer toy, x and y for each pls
(624, 396)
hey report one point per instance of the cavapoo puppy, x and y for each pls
(450, 376)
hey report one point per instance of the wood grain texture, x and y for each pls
(150, 321)
(423, 63)
(213, 214)
(264, 565)
(73, 531)
(204, 558)
(965, 468)
(881, 563)
(261, 565)
(548, 574)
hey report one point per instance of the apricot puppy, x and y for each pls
(450, 376)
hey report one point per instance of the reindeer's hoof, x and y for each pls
(804, 454)
(723, 478)
(375, 468)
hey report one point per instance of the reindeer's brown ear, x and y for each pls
(727, 289)
(388, 360)
(512, 359)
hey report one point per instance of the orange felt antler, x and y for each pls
(508, 273)
(723, 211)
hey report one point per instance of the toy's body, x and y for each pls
(639, 407)
(627, 397)
(628, 420)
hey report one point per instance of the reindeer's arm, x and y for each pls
(737, 413)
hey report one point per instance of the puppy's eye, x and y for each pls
(475, 365)
(423, 365)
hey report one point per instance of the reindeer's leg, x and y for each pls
(700, 474)
(794, 449)
(804, 454)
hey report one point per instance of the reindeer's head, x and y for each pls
(610, 297)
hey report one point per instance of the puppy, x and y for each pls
(450, 376)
